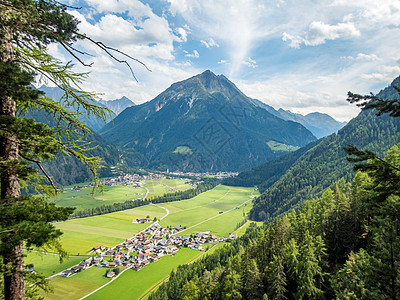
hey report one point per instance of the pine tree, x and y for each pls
(277, 278)
(309, 270)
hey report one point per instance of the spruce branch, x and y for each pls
(39, 164)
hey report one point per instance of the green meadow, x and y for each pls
(158, 187)
(275, 146)
(49, 264)
(202, 212)
(78, 285)
(84, 198)
(218, 210)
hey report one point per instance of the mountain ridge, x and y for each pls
(320, 124)
(181, 115)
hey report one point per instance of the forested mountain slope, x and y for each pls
(322, 251)
(326, 163)
(263, 176)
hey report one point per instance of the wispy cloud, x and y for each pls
(251, 63)
(319, 32)
(234, 24)
(209, 43)
(195, 54)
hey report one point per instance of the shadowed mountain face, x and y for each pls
(204, 123)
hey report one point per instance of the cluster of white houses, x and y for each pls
(145, 247)
(128, 179)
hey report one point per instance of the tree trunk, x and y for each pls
(14, 279)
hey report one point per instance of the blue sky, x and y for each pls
(299, 55)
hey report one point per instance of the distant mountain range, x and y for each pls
(204, 123)
(200, 124)
(118, 105)
(96, 124)
(319, 124)
(290, 180)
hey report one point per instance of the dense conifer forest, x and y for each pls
(341, 245)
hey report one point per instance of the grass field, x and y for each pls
(133, 284)
(113, 194)
(77, 285)
(49, 264)
(158, 187)
(218, 210)
(275, 146)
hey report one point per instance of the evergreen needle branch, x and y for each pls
(38, 163)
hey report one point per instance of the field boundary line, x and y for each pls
(51, 253)
(161, 281)
(216, 216)
(104, 285)
(166, 209)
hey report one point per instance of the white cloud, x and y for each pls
(209, 43)
(134, 8)
(305, 90)
(295, 41)
(149, 38)
(183, 32)
(319, 32)
(248, 32)
(383, 74)
(132, 27)
(195, 54)
(251, 63)
(363, 57)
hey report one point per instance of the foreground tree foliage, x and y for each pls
(27, 27)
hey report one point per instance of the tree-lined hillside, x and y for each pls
(340, 246)
(67, 169)
(321, 166)
(263, 176)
